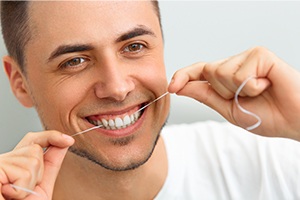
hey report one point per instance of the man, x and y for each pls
(84, 64)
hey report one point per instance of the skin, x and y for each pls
(272, 95)
(111, 81)
(112, 77)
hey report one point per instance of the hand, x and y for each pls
(27, 166)
(274, 95)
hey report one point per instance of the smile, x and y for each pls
(120, 121)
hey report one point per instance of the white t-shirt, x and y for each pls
(211, 160)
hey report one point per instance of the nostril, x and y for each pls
(115, 87)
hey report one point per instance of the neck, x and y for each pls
(81, 179)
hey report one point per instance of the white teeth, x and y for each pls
(111, 123)
(117, 123)
(126, 120)
(104, 122)
(98, 122)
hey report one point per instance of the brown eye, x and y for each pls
(136, 47)
(74, 62)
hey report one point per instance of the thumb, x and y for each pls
(204, 93)
(53, 159)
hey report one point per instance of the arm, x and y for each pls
(28, 167)
(274, 95)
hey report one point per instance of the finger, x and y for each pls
(224, 73)
(255, 86)
(46, 139)
(12, 193)
(1, 194)
(216, 80)
(183, 76)
(204, 93)
(22, 167)
(220, 74)
(21, 178)
(257, 66)
(52, 161)
(30, 157)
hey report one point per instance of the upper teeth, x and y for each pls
(118, 122)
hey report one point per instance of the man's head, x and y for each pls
(90, 63)
(16, 31)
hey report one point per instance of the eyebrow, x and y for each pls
(135, 32)
(64, 49)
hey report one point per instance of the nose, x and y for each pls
(115, 82)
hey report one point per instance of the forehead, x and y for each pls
(77, 20)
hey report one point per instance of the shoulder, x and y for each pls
(223, 138)
(207, 131)
(220, 157)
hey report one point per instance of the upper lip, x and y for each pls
(116, 111)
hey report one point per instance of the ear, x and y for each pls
(17, 81)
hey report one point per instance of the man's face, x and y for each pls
(92, 63)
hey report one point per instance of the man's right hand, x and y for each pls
(28, 167)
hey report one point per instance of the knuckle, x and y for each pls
(29, 134)
(206, 70)
(35, 163)
(27, 175)
(260, 51)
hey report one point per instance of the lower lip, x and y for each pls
(123, 132)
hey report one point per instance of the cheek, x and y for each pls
(59, 96)
(68, 94)
(153, 75)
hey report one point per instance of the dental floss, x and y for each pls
(87, 130)
(158, 98)
(99, 126)
(257, 124)
(95, 127)
(79, 133)
(24, 189)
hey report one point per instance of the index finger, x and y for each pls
(46, 139)
(184, 75)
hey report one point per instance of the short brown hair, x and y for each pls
(16, 31)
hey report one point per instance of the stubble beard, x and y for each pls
(117, 142)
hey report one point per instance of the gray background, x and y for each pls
(194, 31)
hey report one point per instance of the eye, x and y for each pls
(134, 48)
(74, 62)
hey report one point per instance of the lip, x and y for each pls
(119, 133)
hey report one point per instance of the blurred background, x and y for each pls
(193, 31)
